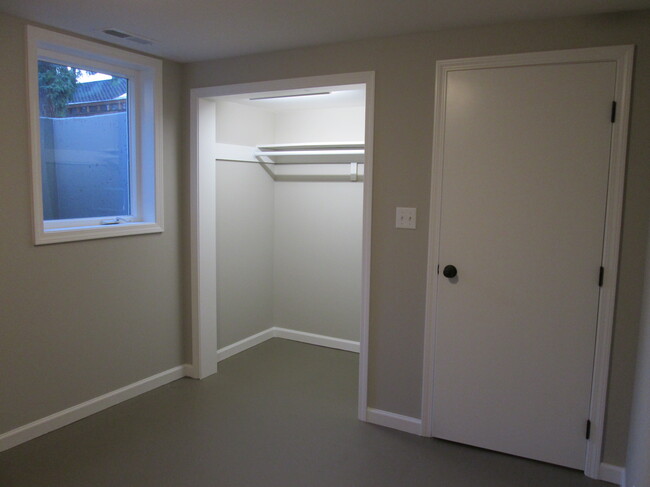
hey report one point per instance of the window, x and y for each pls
(95, 116)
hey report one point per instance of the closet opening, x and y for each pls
(281, 183)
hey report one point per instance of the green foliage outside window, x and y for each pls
(56, 86)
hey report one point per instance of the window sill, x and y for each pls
(59, 235)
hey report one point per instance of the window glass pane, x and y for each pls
(84, 124)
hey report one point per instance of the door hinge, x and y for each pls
(613, 118)
(601, 276)
(588, 432)
(438, 269)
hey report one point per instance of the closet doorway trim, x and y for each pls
(203, 218)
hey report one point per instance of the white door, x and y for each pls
(524, 188)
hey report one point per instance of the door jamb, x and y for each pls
(623, 56)
(203, 221)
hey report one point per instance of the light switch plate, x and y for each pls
(405, 218)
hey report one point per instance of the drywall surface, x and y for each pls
(318, 229)
(638, 451)
(80, 319)
(242, 125)
(288, 253)
(317, 257)
(244, 232)
(405, 69)
(343, 124)
(244, 209)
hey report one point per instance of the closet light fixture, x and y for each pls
(289, 96)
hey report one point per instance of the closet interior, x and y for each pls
(289, 213)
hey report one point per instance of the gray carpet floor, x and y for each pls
(281, 414)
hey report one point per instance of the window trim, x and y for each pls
(145, 76)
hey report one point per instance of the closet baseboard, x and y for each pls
(394, 421)
(612, 473)
(314, 339)
(287, 334)
(245, 344)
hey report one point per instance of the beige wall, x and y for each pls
(638, 468)
(79, 319)
(404, 69)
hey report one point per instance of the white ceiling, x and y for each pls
(192, 30)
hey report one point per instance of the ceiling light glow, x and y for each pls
(288, 96)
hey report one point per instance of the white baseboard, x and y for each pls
(395, 421)
(246, 343)
(189, 371)
(85, 409)
(75, 413)
(287, 334)
(612, 473)
(314, 339)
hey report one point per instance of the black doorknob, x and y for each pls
(450, 271)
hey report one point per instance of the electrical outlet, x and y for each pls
(405, 218)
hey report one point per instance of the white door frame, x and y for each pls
(623, 56)
(203, 217)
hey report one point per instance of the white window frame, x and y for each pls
(145, 136)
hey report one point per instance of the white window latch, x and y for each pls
(113, 221)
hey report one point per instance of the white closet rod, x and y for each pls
(301, 153)
(311, 157)
(228, 159)
(308, 153)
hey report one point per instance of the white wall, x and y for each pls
(244, 214)
(317, 257)
(242, 124)
(244, 205)
(345, 124)
(288, 253)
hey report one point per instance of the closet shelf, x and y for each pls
(316, 153)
